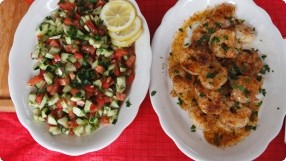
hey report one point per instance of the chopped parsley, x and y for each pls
(180, 101)
(215, 39)
(181, 30)
(225, 47)
(211, 75)
(265, 69)
(249, 127)
(128, 103)
(260, 103)
(193, 128)
(263, 56)
(263, 91)
(153, 93)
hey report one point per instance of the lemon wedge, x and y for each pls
(118, 15)
(127, 33)
(127, 42)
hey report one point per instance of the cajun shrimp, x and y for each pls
(200, 119)
(249, 62)
(244, 34)
(210, 101)
(214, 77)
(195, 62)
(235, 117)
(223, 43)
(245, 89)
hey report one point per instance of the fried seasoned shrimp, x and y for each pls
(222, 15)
(222, 43)
(244, 34)
(249, 62)
(235, 118)
(181, 84)
(210, 102)
(176, 70)
(195, 62)
(214, 77)
(245, 89)
(200, 119)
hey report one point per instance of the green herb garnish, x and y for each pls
(153, 93)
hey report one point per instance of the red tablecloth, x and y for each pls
(144, 139)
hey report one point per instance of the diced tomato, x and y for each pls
(72, 123)
(77, 16)
(39, 98)
(74, 91)
(91, 26)
(72, 103)
(100, 3)
(53, 89)
(106, 99)
(57, 58)
(36, 79)
(59, 105)
(89, 88)
(67, 6)
(130, 79)
(67, 21)
(130, 61)
(77, 65)
(64, 81)
(53, 43)
(70, 49)
(101, 31)
(89, 94)
(100, 101)
(105, 85)
(71, 133)
(120, 96)
(104, 120)
(42, 72)
(78, 56)
(120, 53)
(60, 113)
(116, 70)
(88, 49)
(94, 108)
(71, 114)
(99, 69)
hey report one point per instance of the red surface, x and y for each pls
(144, 139)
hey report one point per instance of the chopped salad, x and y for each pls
(83, 78)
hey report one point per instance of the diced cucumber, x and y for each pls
(44, 113)
(68, 40)
(37, 111)
(72, 59)
(98, 83)
(109, 92)
(105, 52)
(78, 112)
(54, 130)
(80, 121)
(35, 54)
(48, 78)
(86, 28)
(70, 67)
(65, 131)
(93, 120)
(114, 104)
(63, 121)
(42, 29)
(95, 64)
(56, 37)
(52, 120)
(120, 84)
(49, 55)
(97, 10)
(32, 98)
(76, 98)
(53, 100)
(113, 112)
(43, 66)
(111, 67)
(122, 69)
(88, 129)
(54, 50)
(64, 57)
(59, 71)
(87, 105)
(44, 101)
(67, 88)
(94, 43)
(78, 130)
(99, 113)
(106, 110)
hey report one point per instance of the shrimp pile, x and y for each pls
(215, 76)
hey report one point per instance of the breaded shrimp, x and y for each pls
(214, 77)
(244, 34)
(210, 102)
(200, 119)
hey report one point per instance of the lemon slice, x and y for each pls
(127, 42)
(127, 33)
(118, 15)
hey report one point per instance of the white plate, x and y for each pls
(21, 70)
(175, 121)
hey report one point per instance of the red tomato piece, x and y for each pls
(57, 58)
(100, 102)
(67, 21)
(89, 88)
(130, 79)
(70, 49)
(99, 69)
(88, 49)
(39, 98)
(104, 120)
(93, 108)
(78, 56)
(74, 91)
(120, 96)
(100, 3)
(91, 26)
(116, 71)
(64, 81)
(130, 61)
(59, 105)
(36, 79)
(120, 53)
(54, 43)
(67, 6)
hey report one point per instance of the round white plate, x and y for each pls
(21, 64)
(176, 122)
